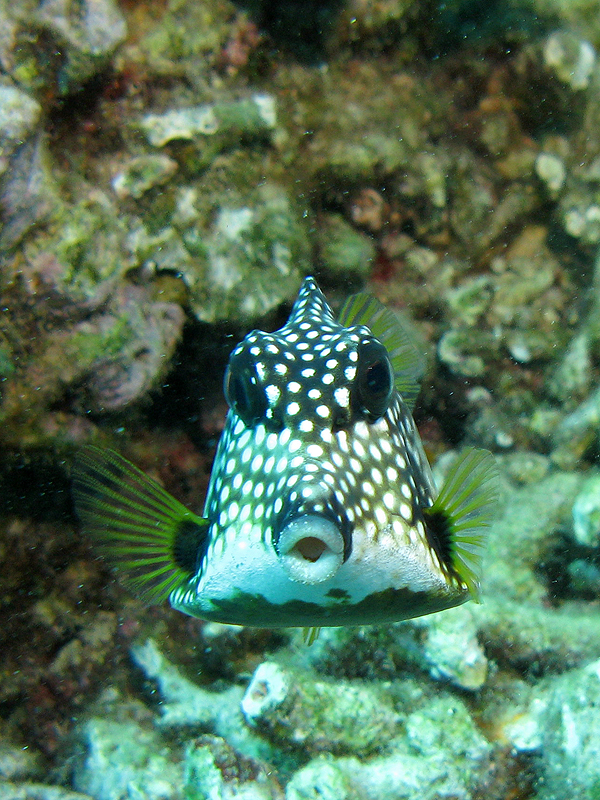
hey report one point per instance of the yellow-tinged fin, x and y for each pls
(310, 635)
(387, 326)
(153, 540)
(458, 520)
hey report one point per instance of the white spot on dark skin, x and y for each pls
(299, 454)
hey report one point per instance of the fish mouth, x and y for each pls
(310, 548)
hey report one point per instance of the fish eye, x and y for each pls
(374, 382)
(243, 390)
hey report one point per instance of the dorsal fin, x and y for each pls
(408, 364)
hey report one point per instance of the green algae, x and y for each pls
(57, 47)
(79, 256)
(183, 38)
(441, 754)
(344, 252)
(262, 245)
(7, 366)
(143, 173)
(297, 710)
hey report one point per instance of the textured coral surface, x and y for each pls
(169, 171)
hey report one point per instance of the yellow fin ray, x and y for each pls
(458, 520)
(153, 540)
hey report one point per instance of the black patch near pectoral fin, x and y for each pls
(438, 530)
(458, 521)
(190, 543)
(150, 537)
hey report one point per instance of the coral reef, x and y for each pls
(297, 711)
(426, 762)
(168, 174)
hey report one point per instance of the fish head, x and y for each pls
(315, 495)
(321, 507)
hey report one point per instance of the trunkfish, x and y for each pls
(321, 508)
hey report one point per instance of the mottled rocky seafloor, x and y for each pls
(168, 173)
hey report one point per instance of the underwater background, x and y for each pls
(169, 172)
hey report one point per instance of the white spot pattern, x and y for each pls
(314, 451)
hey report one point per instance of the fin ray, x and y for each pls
(310, 635)
(135, 523)
(408, 364)
(467, 503)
